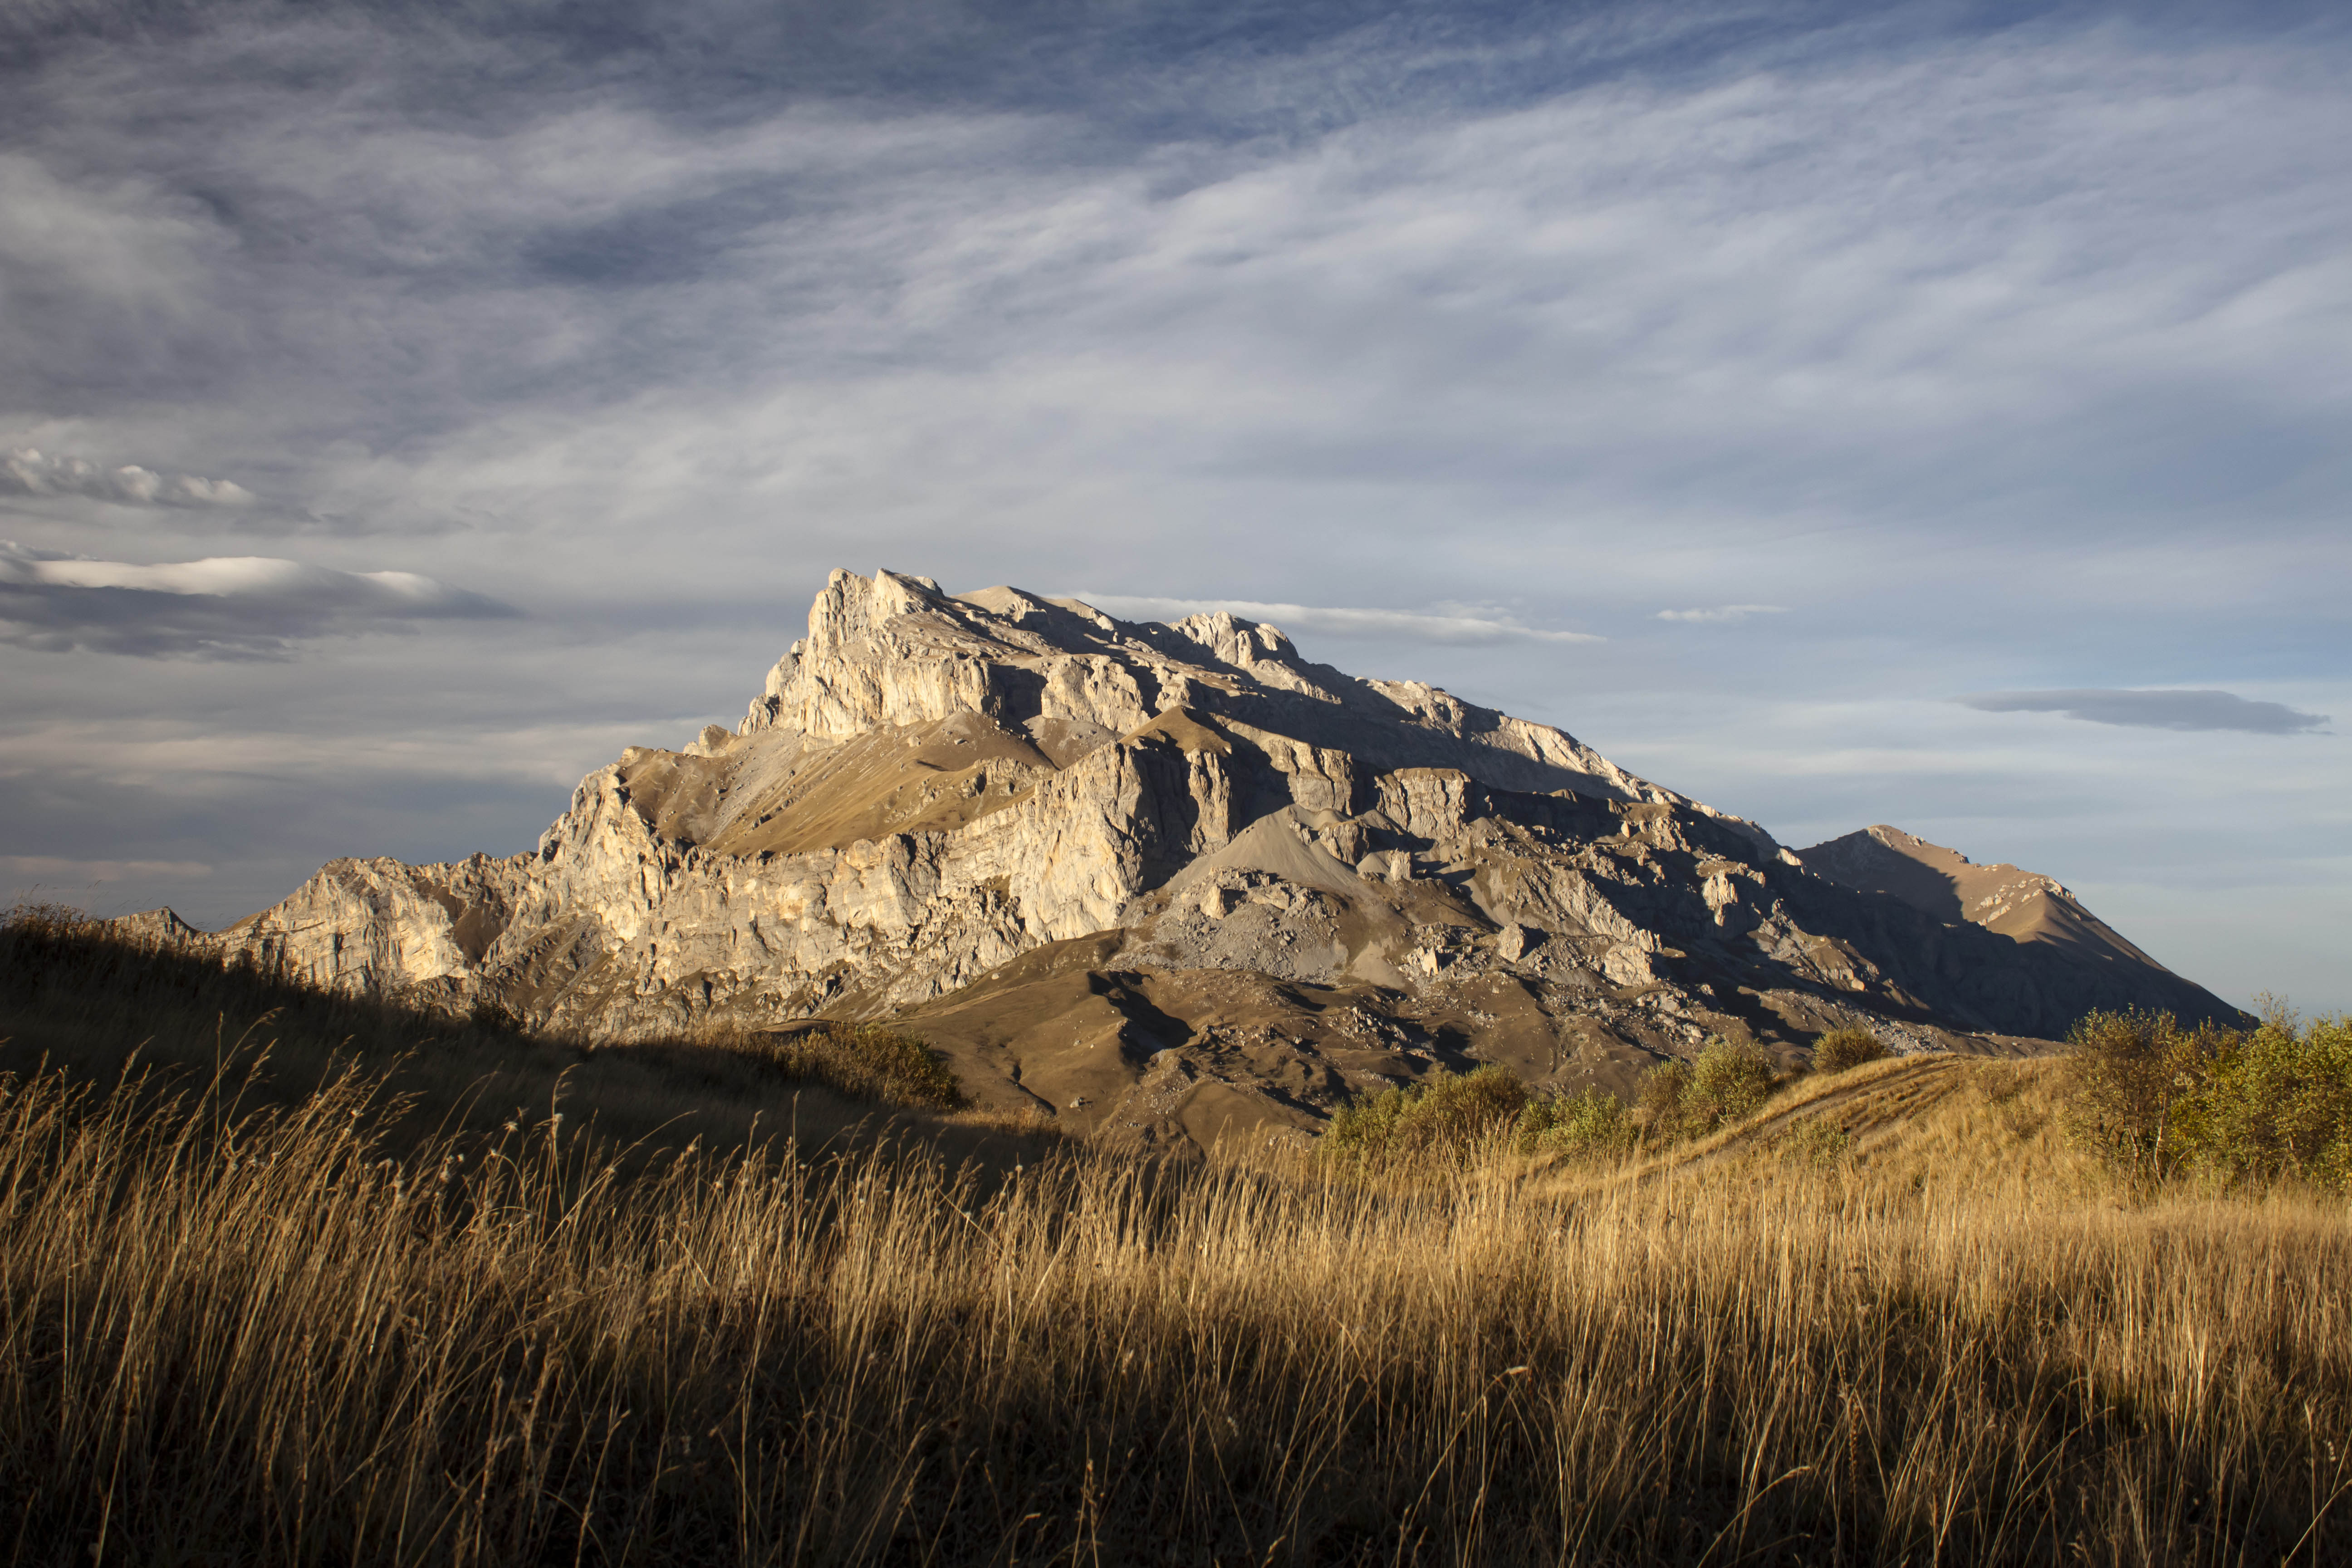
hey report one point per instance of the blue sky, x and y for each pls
(1929, 414)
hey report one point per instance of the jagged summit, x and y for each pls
(896, 651)
(1175, 882)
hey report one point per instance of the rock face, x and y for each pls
(1173, 882)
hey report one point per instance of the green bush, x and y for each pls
(2255, 1105)
(1446, 1114)
(1586, 1125)
(1842, 1048)
(1727, 1083)
(1658, 1104)
(2126, 1074)
(2275, 1102)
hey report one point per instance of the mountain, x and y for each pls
(2025, 906)
(1173, 883)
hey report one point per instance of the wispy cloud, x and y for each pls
(23, 873)
(2159, 709)
(246, 606)
(1724, 612)
(29, 471)
(1458, 624)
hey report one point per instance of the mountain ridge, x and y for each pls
(935, 795)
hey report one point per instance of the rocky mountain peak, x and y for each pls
(1174, 881)
(893, 650)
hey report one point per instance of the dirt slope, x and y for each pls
(1121, 1046)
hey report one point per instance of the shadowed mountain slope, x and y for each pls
(2024, 906)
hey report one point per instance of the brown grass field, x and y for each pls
(339, 1307)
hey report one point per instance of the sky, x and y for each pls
(1930, 415)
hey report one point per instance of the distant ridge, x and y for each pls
(2024, 906)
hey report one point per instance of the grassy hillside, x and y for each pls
(77, 998)
(1896, 1315)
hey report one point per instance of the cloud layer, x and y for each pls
(2160, 709)
(247, 607)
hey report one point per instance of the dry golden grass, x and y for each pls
(270, 1336)
(354, 1311)
(77, 996)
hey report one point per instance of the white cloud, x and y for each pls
(29, 472)
(242, 577)
(1724, 612)
(246, 606)
(1450, 624)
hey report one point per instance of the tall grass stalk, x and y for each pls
(268, 1335)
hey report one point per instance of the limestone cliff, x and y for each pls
(936, 801)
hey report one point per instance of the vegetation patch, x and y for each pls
(2258, 1105)
(1445, 1116)
(1728, 1082)
(286, 1335)
(1840, 1049)
(1817, 1140)
(860, 1061)
(1587, 1125)
(1450, 1118)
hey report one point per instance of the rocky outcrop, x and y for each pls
(931, 787)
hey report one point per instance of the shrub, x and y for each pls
(1658, 1104)
(1842, 1048)
(1818, 1141)
(1445, 1114)
(2253, 1105)
(2127, 1073)
(2276, 1102)
(1727, 1081)
(1588, 1124)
